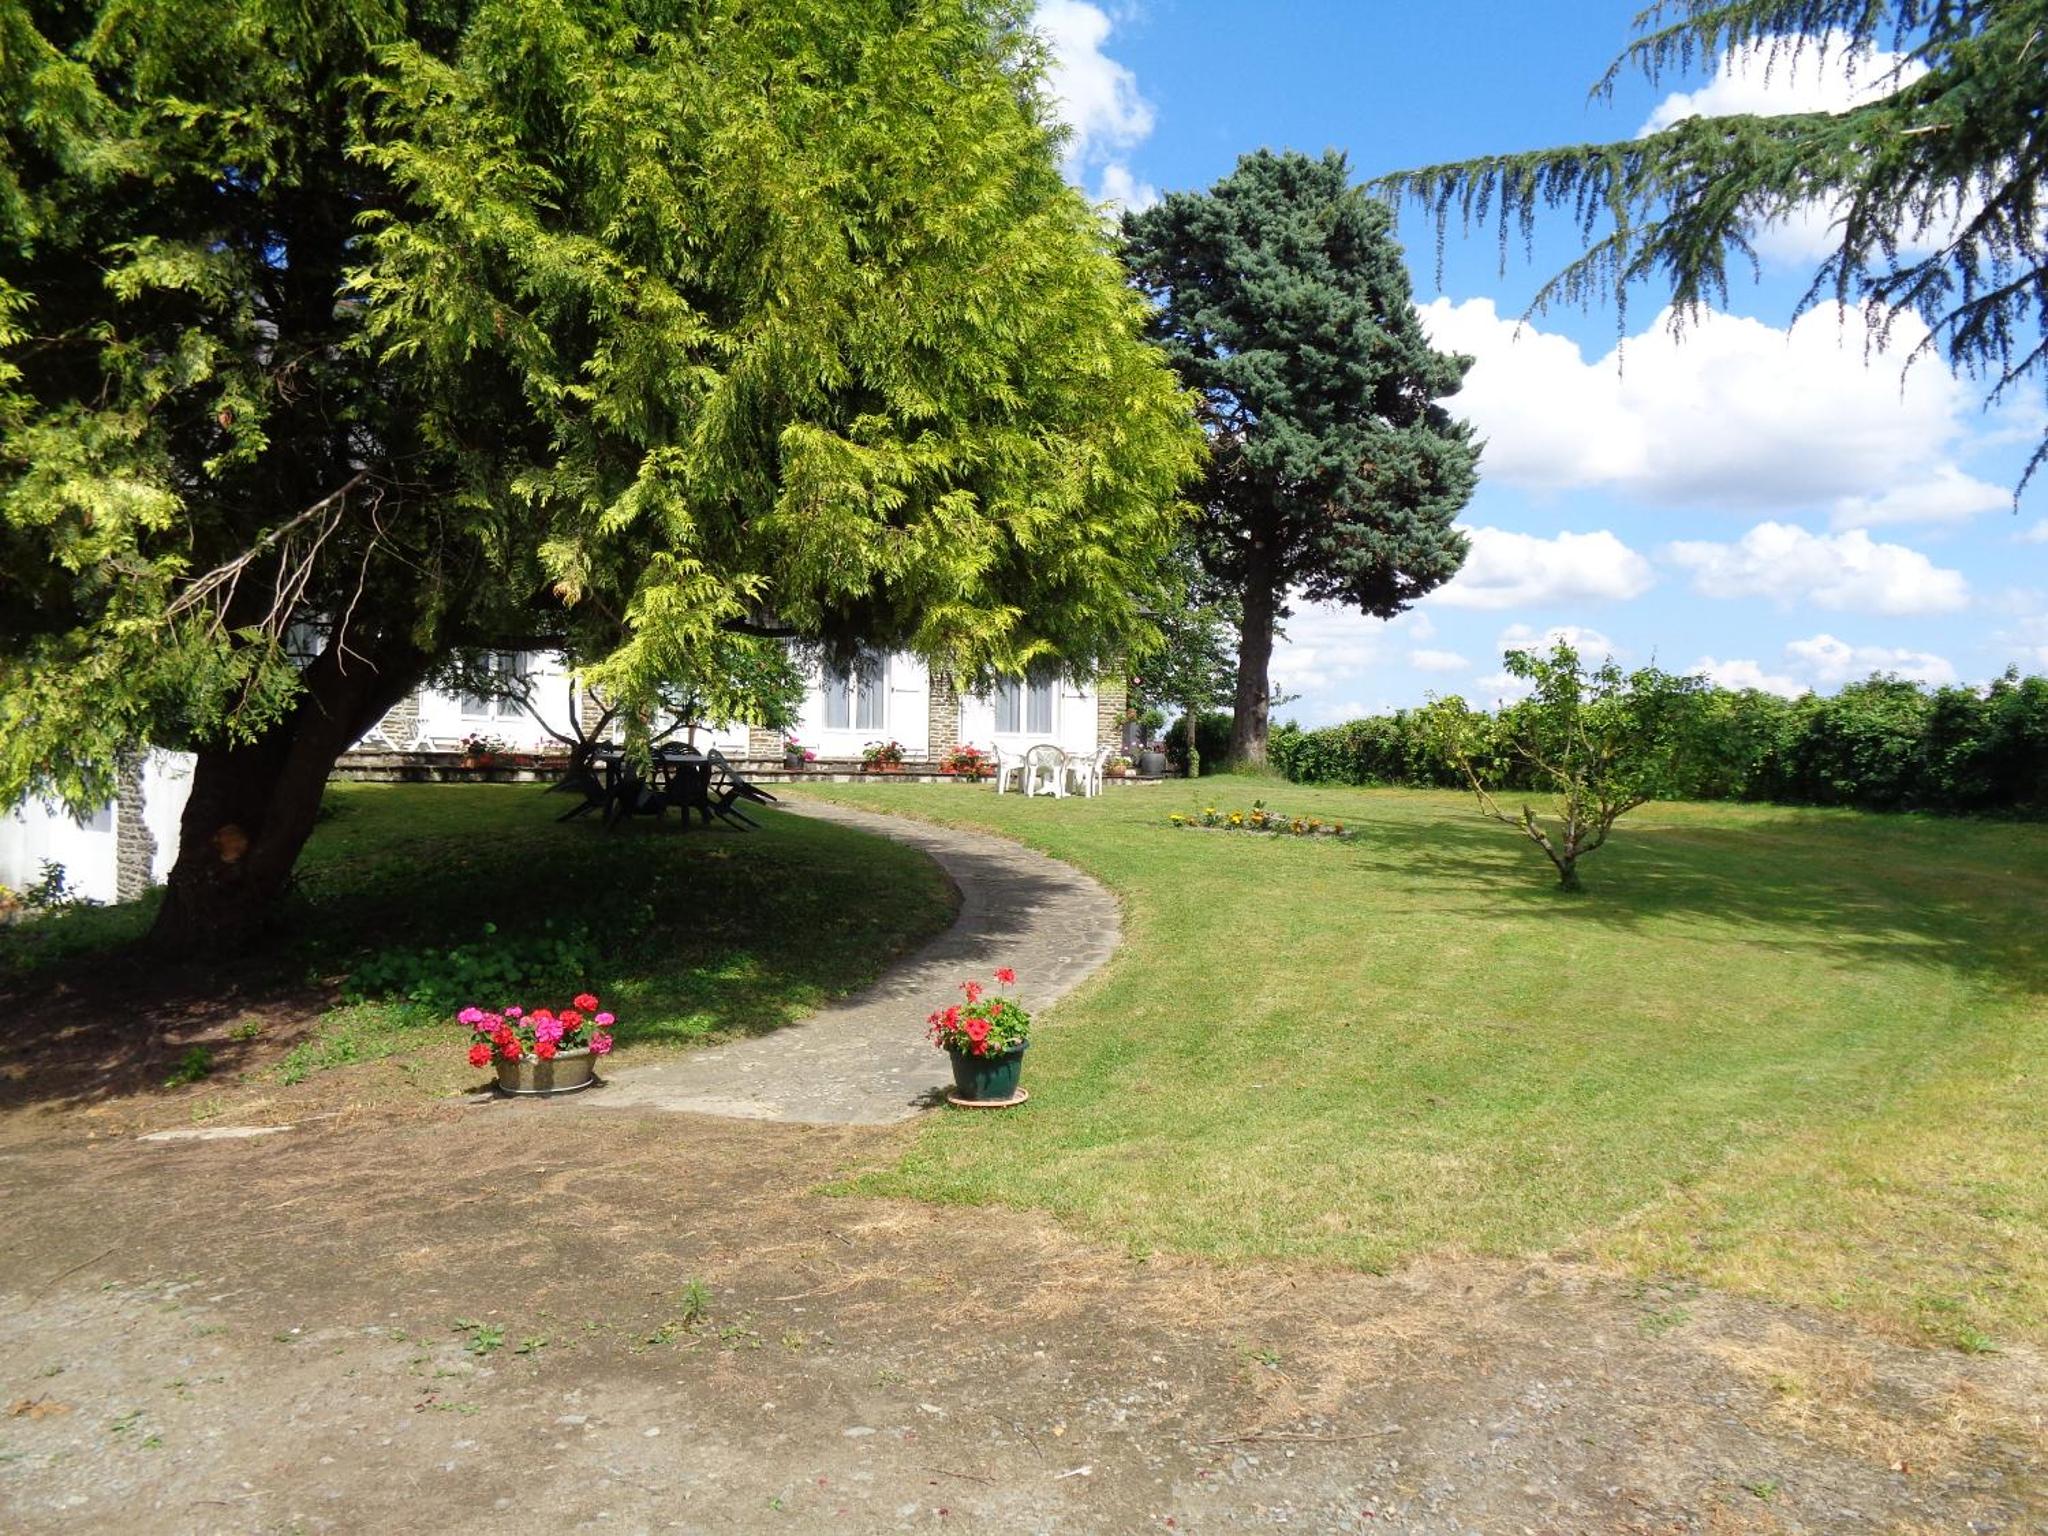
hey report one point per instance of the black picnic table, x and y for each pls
(682, 777)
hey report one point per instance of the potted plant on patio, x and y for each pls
(969, 763)
(480, 751)
(985, 1036)
(795, 754)
(542, 1052)
(882, 757)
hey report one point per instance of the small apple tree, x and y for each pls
(1599, 741)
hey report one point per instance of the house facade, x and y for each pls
(129, 844)
(884, 697)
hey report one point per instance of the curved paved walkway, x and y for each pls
(867, 1061)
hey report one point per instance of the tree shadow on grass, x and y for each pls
(696, 933)
(1965, 897)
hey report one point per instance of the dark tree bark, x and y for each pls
(1251, 714)
(253, 805)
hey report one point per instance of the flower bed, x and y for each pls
(1260, 818)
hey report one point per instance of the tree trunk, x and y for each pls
(1191, 719)
(1250, 713)
(253, 806)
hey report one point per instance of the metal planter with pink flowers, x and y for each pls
(568, 1072)
(540, 1051)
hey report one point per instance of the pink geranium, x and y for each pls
(515, 1032)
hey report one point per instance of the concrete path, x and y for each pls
(867, 1061)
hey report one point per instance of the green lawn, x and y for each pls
(423, 897)
(1785, 1051)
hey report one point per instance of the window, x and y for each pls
(1024, 707)
(509, 668)
(855, 699)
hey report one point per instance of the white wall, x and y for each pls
(1073, 722)
(906, 714)
(166, 786)
(445, 718)
(34, 831)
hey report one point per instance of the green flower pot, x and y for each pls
(987, 1078)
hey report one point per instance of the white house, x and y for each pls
(116, 853)
(889, 697)
(130, 843)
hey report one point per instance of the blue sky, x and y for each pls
(1760, 499)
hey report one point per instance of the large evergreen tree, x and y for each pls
(1334, 472)
(335, 338)
(1934, 185)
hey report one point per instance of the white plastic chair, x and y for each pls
(1045, 771)
(1009, 765)
(1087, 771)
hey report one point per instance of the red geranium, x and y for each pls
(586, 1001)
(514, 1032)
(1006, 976)
(984, 1025)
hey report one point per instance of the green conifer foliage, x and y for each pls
(337, 338)
(1335, 472)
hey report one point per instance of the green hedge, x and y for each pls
(1883, 745)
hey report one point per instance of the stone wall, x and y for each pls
(764, 744)
(943, 719)
(134, 843)
(401, 723)
(1112, 694)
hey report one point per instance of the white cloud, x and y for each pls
(1325, 647)
(1733, 413)
(1790, 74)
(1437, 661)
(1121, 189)
(1831, 662)
(2038, 534)
(1098, 99)
(1518, 570)
(1793, 73)
(1747, 674)
(1592, 646)
(1823, 663)
(1947, 496)
(1842, 571)
(1498, 688)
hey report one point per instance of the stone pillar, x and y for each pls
(764, 744)
(134, 846)
(401, 721)
(1112, 695)
(589, 710)
(943, 721)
